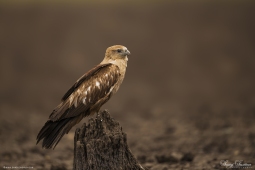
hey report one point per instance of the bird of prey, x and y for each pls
(86, 96)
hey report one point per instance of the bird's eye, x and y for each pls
(118, 50)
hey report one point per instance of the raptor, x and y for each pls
(86, 96)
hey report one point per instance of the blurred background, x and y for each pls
(188, 91)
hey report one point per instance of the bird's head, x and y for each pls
(117, 52)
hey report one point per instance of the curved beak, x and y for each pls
(127, 53)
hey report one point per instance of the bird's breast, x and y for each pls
(122, 66)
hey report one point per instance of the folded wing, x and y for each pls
(87, 95)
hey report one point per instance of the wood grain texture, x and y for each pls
(102, 145)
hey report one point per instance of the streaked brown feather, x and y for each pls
(52, 132)
(84, 78)
(65, 110)
(67, 114)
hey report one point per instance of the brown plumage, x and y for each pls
(86, 96)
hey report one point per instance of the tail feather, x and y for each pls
(52, 132)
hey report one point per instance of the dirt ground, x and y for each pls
(188, 98)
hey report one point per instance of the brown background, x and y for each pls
(189, 87)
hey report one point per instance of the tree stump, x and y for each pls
(101, 145)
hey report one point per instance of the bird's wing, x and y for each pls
(88, 90)
(83, 78)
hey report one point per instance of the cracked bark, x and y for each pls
(102, 145)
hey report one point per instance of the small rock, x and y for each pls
(148, 165)
(177, 155)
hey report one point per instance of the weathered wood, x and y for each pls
(101, 145)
